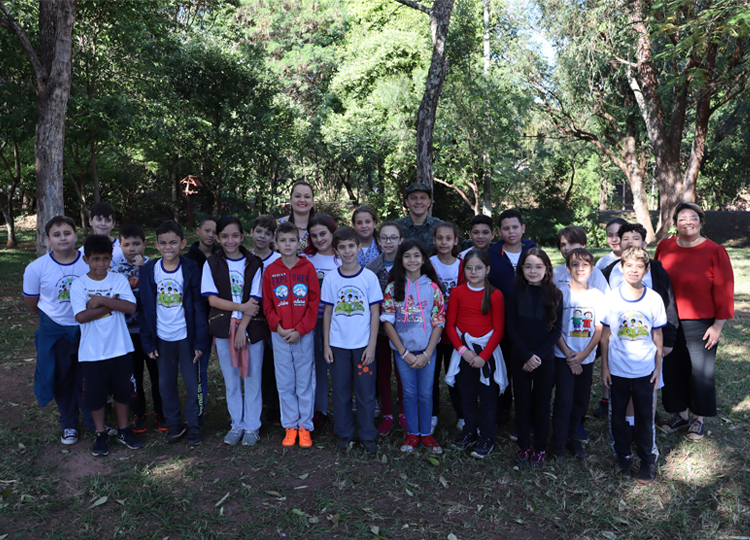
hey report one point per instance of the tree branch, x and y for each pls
(415, 5)
(25, 44)
(455, 188)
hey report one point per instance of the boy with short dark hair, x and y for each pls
(481, 233)
(568, 239)
(102, 221)
(206, 244)
(100, 299)
(46, 291)
(291, 296)
(631, 349)
(133, 244)
(174, 328)
(262, 233)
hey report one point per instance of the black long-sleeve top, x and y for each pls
(526, 323)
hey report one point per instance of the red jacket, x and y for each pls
(291, 296)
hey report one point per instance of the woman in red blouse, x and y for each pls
(703, 285)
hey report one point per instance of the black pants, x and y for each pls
(689, 371)
(571, 400)
(139, 360)
(442, 361)
(505, 401)
(268, 388)
(533, 395)
(470, 388)
(644, 403)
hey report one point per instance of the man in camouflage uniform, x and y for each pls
(418, 223)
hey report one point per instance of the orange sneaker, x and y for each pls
(304, 438)
(291, 437)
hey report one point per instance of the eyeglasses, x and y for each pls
(686, 219)
(390, 239)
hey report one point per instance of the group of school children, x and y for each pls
(496, 319)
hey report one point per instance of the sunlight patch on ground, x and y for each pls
(697, 464)
(174, 470)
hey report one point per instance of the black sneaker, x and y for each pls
(194, 436)
(537, 459)
(161, 422)
(129, 439)
(343, 444)
(139, 423)
(623, 465)
(558, 454)
(602, 410)
(101, 444)
(581, 434)
(576, 448)
(675, 423)
(522, 458)
(371, 447)
(483, 448)
(647, 474)
(175, 432)
(320, 421)
(465, 440)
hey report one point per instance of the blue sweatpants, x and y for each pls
(177, 357)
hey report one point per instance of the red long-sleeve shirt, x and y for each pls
(291, 296)
(465, 313)
(702, 279)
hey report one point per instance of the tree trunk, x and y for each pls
(8, 213)
(603, 188)
(94, 171)
(52, 67)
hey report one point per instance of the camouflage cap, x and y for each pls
(417, 186)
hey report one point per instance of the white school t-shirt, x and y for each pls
(632, 351)
(271, 258)
(447, 274)
(582, 312)
(596, 279)
(107, 337)
(616, 278)
(324, 265)
(605, 261)
(237, 281)
(51, 281)
(117, 255)
(170, 313)
(351, 298)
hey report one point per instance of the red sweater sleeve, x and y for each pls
(498, 325)
(310, 318)
(723, 287)
(451, 316)
(269, 306)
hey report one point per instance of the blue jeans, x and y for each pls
(174, 357)
(417, 384)
(244, 412)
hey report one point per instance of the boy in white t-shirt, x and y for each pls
(100, 300)
(481, 233)
(352, 299)
(575, 353)
(631, 349)
(46, 291)
(102, 221)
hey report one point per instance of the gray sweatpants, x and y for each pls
(244, 411)
(294, 366)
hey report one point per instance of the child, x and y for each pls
(352, 298)
(481, 233)
(100, 299)
(631, 362)
(321, 254)
(389, 239)
(475, 325)
(206, 245)
(575, 352)
(450, 273)
(613, 241)
(405, 317)
(534, 315)
(102, 221)
(232, 282)
(292, 293)
(568, 239)
(46, 291)
(262, 233)
(174, 329)
(133, 243)
(365, 221)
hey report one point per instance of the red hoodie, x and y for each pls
(291, 296)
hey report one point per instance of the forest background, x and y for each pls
(557, 107)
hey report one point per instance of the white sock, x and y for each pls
(630, 420)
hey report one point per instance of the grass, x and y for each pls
(219, 492)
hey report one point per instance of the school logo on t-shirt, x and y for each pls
(63, 288)
(169, 293)
(281, 292)
(236, 280)
(448, 286)
(582, 323)
(633, 327)
(350, 301)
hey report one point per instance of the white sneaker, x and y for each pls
(69, 436)
(460, 424)
(433, 424)
(234, 436)
(251, 437)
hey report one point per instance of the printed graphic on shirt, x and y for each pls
(169, 293)
(300, 294)
(281, 292)
(633, 326)
(447, 285)
(583, 323)
(350, 302)
(237, 281)
(63, 288)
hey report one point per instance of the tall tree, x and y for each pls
(52, 66)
